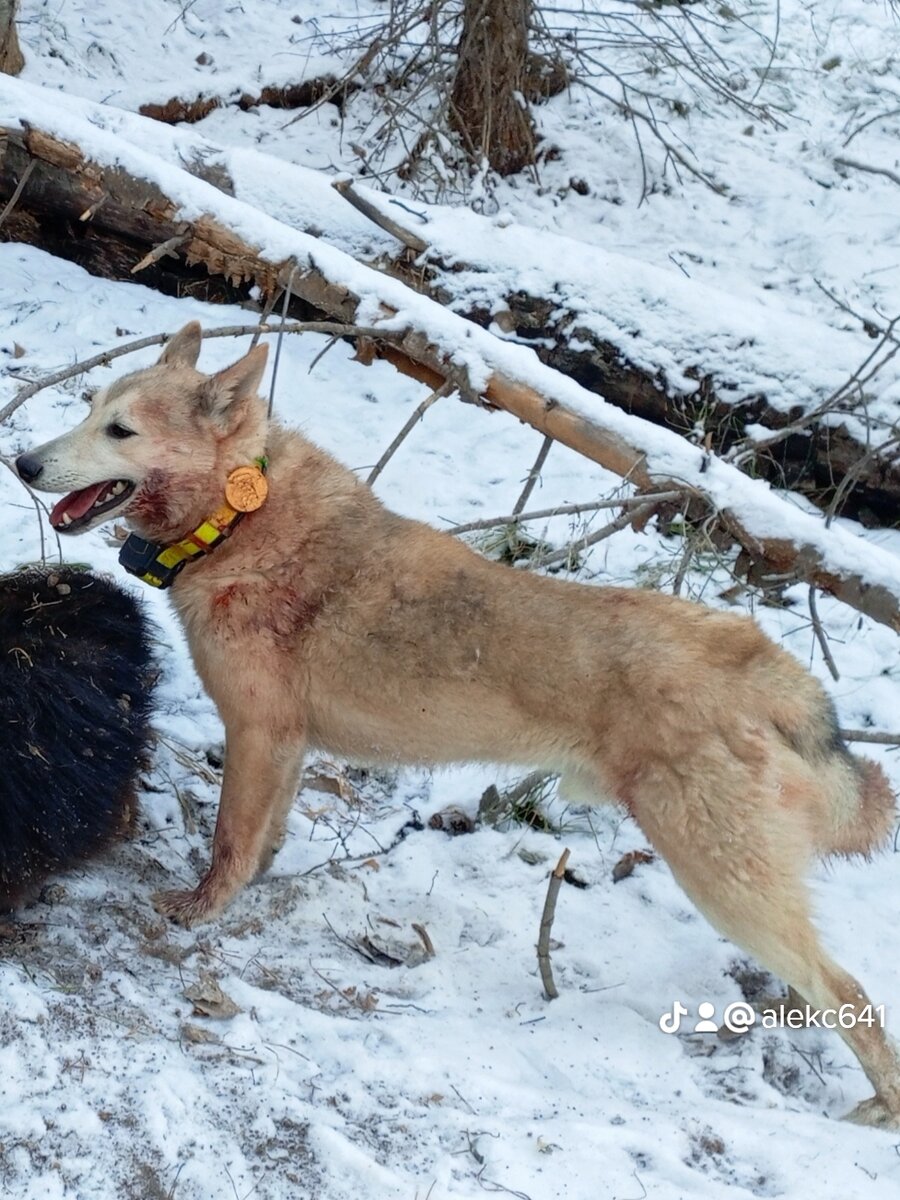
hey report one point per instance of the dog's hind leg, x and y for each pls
(739, 858)
(256, 786)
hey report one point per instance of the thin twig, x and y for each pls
(543, 947)
(39, 507)
(332, 341)
(821, 636)
(871, 325)
(879, 116)
(628, 110)
(873, 738)
(271, 301)
(280, 338)
(20, 188)
(563, 555)
(159, 339)
(748, 448)
(417, 416)
(533, 475)
(563, 510)
(859, 166)
(684, 563)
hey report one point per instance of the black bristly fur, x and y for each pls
(75, 693)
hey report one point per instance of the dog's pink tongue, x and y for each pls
(76, 504)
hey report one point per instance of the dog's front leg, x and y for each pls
(262, 771)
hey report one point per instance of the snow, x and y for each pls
(462, 1079)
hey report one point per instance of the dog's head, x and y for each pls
(157, 445)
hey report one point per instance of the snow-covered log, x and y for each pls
(85, 173)
(726, 369)
(803, 404)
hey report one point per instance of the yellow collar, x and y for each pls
(246, 490)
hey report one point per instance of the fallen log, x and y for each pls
(148, 202)
(819, 457)
(325, 89)
(770, 370)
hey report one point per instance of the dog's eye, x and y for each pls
(119, 431)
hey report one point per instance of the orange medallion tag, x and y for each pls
(246, 489)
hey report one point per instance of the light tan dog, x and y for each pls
(324, 620)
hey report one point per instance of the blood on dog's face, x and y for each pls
(157, 444)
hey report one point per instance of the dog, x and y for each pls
(76, 684)
(317, 618)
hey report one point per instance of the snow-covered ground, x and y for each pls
(342, 1077)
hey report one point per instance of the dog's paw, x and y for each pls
(186, 908)
(874, 1112)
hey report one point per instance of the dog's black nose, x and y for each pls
(28, 467)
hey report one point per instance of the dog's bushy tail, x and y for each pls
(866, 823)
(860, 806)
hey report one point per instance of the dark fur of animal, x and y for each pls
(75, 694)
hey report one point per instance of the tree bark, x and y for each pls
(487, 105)
(11, 60)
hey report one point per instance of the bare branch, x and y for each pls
(543, 947)
(417, 416)
(345, 188)
(19, 189)
(855, 165)
(159, 339)
(565, 510)
(582, 543)
(821, 635)
(873, 738)
(533, 475)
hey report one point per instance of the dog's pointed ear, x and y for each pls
(226, 395)
(183, 348)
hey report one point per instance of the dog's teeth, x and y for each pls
(118, 489)
(66, 519)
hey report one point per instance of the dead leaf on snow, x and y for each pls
(394, 951)
(197, 1035)
(332, 781)
(208, 998)
(626, 864)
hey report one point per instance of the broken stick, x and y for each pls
(543, 947)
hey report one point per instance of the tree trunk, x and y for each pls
(11, 60)
(487, 106)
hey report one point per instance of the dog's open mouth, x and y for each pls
(78, 509)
